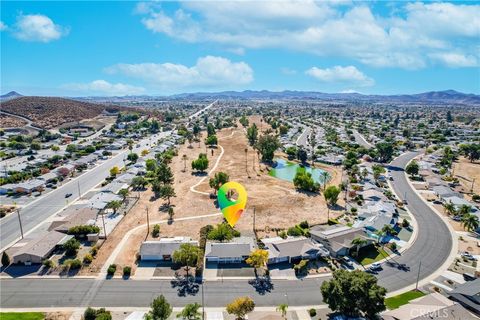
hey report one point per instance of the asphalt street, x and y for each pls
(37, 212)
(361, 140)
(431, 248)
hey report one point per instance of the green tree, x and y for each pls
(267, 145)
(240, 307)
(353, 293)
(243, 121)
(123, 193)
(222, 232)
(114, 171)
(302, 155)
(164, 174)
(114, 205)
(211, 140)
(470, 222)
(186, 255)
(200, 164)
(160, 309)
(5, 259)
(257, 259)
(138, 182)
(252, 134)
(331, 195)
(412, 168)
(303, 181)
(210, 129)
(218, 180)
(190, 312)
(385, 151)
(166, 192)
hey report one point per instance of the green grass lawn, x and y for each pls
(22, 316)
(371, 254)
(401, 299)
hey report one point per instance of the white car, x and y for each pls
(468, 256)
(376, 266)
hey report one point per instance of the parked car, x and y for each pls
(468, 256)
(376, 266)
(348, 262)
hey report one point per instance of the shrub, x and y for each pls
(48, 263)
(127, 270)
(87, 259)
(304, 224)
(111, 269)
(71, 247)
(5, 259)
(72, 264)
(312, 312)
(100, 314)
(283, 235)
(83, 230)
(156, 231)
(300, 267)
(94, 251)
(295, 231)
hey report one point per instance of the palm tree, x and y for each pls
(380, 235)
(449, 208)
(282, 308)
(470, 222)
(388, 229)
(464, 210)
(324, 177)
(359, 242)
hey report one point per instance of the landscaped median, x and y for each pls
(22, 316)
(401, 299)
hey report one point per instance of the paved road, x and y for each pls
(360, 139)
(121, 293)
(431, 247)
(434, 241)
(302, 139)
(38, 211)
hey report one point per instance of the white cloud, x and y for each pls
(456, 60)
(288, 71)
(208, 71)
(37, 27)
(104, 88)
(409, 36)
(3, 26)
(339, 74)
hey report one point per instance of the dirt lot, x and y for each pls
(277, 204)
(466, 171)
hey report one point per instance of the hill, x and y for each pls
(10, 95)
(49, 112)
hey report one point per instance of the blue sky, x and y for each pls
(119, 48)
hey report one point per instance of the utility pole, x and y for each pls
(203, 302)
(418, 275)
(254, 219)
(103, 222)
(473, 183)
(148, 222)
(20, 222)
(246, 160)
(79, 193)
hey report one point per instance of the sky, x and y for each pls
(107, 48)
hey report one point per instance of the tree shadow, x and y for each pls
(199, 173)
(185, 285)
(262, 285)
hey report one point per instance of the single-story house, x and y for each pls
(74, 216)
(337, 239)
(114, 187)
(458, 202)
(40, 248)
(433, 306)
(443, 192)
(48, 177)
(293, 249)
(100, 200)
(468, 295)
(235, 251)
(163, 248)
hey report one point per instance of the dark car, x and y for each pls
(68, 195)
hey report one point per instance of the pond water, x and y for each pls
(286, 170)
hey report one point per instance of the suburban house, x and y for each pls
(163, 248)
(443, 192)
(337, 239)
(468, 295)
(293, 249)
(39, 249)
(432, 306)
(75, 216)
(235, 251)
(100, 200)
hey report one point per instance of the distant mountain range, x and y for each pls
(447, 96)
(432, 97)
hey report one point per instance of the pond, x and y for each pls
(287, 170)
